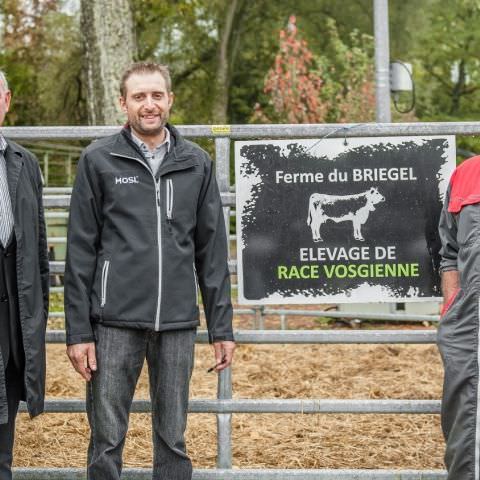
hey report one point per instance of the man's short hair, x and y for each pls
(3, 80)
(143, 68)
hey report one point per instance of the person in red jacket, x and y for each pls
(459, 330)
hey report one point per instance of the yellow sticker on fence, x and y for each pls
(221, 129)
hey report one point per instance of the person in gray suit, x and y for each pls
(23, 286)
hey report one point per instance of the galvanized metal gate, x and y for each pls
(224, 406)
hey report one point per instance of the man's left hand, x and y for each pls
(223, 354)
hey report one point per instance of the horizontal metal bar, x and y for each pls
(57, 190)
(315, 406)
(309, 336)
(71, 133)
(56, 201)
(56, 214)
(59, 267)
(390, 317)
(272, 406)
(64, 148)
(241, 474)
(56, 239)
(398, 317)
(333, 130)
(336, 336)
(57, 290)
(62, 314)
(61, 289)
(63, 201)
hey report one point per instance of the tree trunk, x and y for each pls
(458, 88)
(109, 39)
(222, 78)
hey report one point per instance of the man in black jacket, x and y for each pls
(146, 230)
(23, 286)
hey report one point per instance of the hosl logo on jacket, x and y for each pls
(126, 180)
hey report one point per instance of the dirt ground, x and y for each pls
(272, 440)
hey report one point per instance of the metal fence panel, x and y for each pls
(241, 474)
(224, 406)
(306, 406)
(309, 336)
(333, 130)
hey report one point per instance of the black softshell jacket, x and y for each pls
(138, 244)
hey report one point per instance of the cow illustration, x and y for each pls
(356, 209)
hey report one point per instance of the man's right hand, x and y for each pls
(84, 361)
(450, 284)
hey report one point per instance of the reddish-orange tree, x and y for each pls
(293, 84)
(336, 86)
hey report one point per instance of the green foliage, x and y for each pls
(42, 56)
(183, 35)
(450, 42)
(349, 75)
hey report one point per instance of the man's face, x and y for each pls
(5, 97)
(147, 103)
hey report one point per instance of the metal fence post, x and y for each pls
(224, 421)
(259, 318)
(382, 61)
(222, 169)
(224, 390)
(69, 170)
(45, 168)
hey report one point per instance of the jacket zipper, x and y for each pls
(159, 241)
(159, 234)
(169, 198)
(106, 266)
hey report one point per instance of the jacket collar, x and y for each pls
(14, 161)
(177, 151)
(3, 144)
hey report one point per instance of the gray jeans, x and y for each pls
(120, 356)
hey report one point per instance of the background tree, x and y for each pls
(449, 46)
(220, 52)
(109, 38)
(226, 52)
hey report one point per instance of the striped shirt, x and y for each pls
(6, 214)
(154, 157)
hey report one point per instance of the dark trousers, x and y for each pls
(121, 353)
(10, 329)
(14, 381)
(12, 353)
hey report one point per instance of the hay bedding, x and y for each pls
(272, 441)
